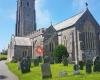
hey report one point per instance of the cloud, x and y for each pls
(79, 4)
(42, 14)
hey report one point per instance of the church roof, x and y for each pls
(22, 41)
(69, 22)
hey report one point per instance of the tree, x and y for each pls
(59, 52)
(4, 51)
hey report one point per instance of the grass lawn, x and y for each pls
(3, 56)
(35, 73)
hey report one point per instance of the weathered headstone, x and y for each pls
(40, 59)
(29, 61)
(62, 73)
(96, 67)
(64, 61)
(46, 59)
(81, 64)
(46, 70)
(36, 62)
(88, 66)
(14, 60)
(24, 64)
(52, 60)
(76, 69)
(56, 59)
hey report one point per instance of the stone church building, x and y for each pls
(80, 34)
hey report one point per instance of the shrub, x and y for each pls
(3, 57)
(60, 51)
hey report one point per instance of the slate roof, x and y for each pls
(22, 41)
(69, 22)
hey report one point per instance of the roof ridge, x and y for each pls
(83, 11)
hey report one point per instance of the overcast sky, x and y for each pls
(46, 11)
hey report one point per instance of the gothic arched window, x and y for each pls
(51, 46)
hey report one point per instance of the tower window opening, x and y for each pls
(21, 3)
(27, 3)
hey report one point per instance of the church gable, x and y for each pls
(88, 27)
(91, 18)
(88, 19)
(49, 32)
(50, 40)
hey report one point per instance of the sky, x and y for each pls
(47, 11)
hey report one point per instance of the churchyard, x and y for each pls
(56, 69)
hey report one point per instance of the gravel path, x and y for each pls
(5, 74)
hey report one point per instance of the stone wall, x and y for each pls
(67, 38)
(19, 51)
(90, 44)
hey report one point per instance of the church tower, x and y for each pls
(25, 17)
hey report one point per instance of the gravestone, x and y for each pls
(36, 62)
(62, 73)
(24, 65)
(46, 70)
(46, 59)
(40, 59)
(14, 60)
(29, 61)
(88, 66)
(56, 59)
(52, 60)
(64, 61)
(76, 69)
(81, 64)
(96, 67)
